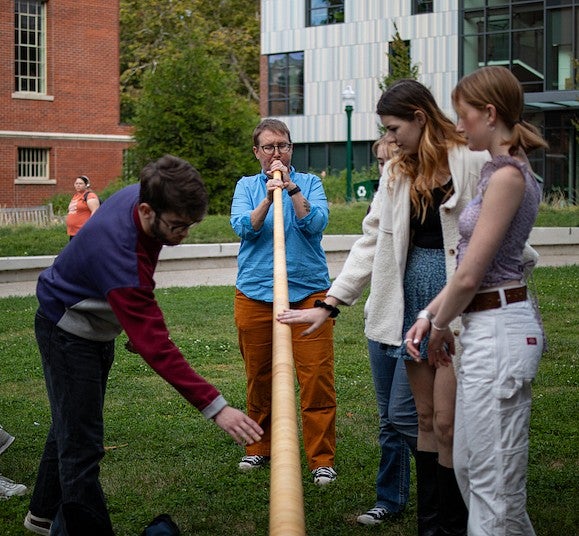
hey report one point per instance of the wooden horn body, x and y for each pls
(286, 513)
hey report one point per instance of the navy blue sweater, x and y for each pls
(102, 282)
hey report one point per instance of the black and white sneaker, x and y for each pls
(249, 463)
(324, 475)
(375, 516)
(38, 525)
(5, 440)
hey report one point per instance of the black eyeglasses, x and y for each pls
(176, 228)
(283, 148)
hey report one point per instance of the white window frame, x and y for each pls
(33, 165)
(30, 74)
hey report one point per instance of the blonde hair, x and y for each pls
(428, 169)
(498, 86)
(390, 147)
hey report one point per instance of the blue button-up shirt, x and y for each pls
(307, 270)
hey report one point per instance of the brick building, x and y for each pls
(59, 98)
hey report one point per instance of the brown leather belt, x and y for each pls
(492, 300)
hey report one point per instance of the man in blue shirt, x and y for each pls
(305, 211)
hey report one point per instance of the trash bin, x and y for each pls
(364, 191)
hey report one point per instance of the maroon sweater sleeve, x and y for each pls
(142, 319)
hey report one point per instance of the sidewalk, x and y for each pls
(191, 265)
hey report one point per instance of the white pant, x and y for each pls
(501, 352)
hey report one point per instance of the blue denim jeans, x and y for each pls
(76, 372)
(398, 427)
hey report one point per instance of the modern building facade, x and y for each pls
(313, 49)
(59, 98)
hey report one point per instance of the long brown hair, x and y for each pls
(498, 86)
(428, 169)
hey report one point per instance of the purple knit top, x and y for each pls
(507, 263)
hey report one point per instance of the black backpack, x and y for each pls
(162, 525)
(85, 197)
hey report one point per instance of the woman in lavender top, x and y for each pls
(502, 338)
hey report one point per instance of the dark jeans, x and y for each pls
(67, 488)
(398, 427)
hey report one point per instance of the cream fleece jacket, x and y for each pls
(378, 257)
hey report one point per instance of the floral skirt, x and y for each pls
(424, 278)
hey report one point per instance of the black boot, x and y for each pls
(427, 493)
(453, 512)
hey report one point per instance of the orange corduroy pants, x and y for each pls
(314, 362)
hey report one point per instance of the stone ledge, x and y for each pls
(556, 245)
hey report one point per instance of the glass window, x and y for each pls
(422, 6)
(497, 49)
(320, 12)
(497, 38)
(29, 46)
(318, 157)
(498, 20)
(560, 172)
(510, 34)
(528, 16)
(560, 68)
(527, 63)
(32, 163)
(286, 84)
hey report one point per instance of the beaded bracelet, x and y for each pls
(334, 310)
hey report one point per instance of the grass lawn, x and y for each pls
(164, 457)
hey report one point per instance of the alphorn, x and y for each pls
(286, 503)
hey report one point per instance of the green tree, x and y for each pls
(399, 66)
(189, 107)
(399, 62)
(153, 30)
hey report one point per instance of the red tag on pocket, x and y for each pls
(532, 341)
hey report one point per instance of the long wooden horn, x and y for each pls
(286, 503)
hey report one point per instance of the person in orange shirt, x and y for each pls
(82, 206)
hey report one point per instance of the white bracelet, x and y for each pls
(436, 328)
(426, 314)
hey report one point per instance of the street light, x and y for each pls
(348, 96)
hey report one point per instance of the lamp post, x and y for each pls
(348, 96)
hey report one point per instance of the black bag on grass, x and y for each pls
(162, 525)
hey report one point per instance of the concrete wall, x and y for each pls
(206, 264)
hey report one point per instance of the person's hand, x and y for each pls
(316, 316)
(270, 186)
(440, 347)
(243, 429)
(277, 165)
(414, 337)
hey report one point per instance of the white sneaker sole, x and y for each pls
(28, 523)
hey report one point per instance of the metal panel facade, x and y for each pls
(354, 53)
